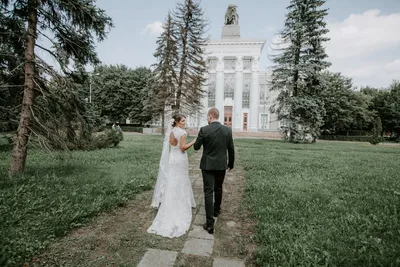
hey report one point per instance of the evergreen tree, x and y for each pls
(179, 72)
(191, 27)
(73, 24)
(298, 65)
(11, 70)
(165, 77)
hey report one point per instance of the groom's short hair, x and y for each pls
(213, 112)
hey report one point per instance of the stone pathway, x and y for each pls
(198, 242)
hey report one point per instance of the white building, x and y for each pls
(235, 84)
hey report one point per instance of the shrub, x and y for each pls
(375, 140)
(106, 139)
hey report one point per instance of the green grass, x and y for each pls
(63, 190)
(326, 204)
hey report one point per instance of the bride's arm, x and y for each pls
(183, 145)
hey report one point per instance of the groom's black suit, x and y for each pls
(217, 141)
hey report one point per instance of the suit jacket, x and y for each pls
(217, 141)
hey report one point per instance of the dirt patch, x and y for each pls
(186, 260)
(115, 238)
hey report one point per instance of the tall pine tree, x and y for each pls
(191, 65)
(165, 77)
(70, 26)
(180, 68)
(297, 71)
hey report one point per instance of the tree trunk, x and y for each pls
(296, 64)
(181, 76)
(162, 122)
(20, 147)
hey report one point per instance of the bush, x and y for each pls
(106, 139)
(375, 140)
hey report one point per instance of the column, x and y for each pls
(219, 90)
(254, 95)
(202, 114)
(237, 113)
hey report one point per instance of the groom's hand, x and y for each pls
(194, 140)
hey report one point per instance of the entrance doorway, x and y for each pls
(245, 117)
(228, 116)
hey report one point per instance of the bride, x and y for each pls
(173, 189)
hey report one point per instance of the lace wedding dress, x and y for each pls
(174, 191)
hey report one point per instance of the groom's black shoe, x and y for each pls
(209, 229)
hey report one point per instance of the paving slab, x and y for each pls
(200, 219)
(199, 199)
(158, 258)
(225, 262)
(199, 232)
(202, 210)
(197, 246)
(198, 183)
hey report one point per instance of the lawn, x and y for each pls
(326, 204)
(63, 190)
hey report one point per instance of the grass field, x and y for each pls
(326, 204)
(61, 191)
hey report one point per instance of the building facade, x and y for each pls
(235, 84)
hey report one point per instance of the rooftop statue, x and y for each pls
(231, 16)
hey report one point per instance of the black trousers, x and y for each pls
(212, 182)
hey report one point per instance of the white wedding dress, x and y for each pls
(174, 191)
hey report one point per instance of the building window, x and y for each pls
(229, 64)
(229, 85)
(246, 90)
(211, 89)
(264, 121)
(212, 64)
(247, 64)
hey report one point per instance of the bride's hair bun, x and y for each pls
(176, 118)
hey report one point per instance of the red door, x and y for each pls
(244, 121)
(228, 116)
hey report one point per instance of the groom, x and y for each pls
(216, 140)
